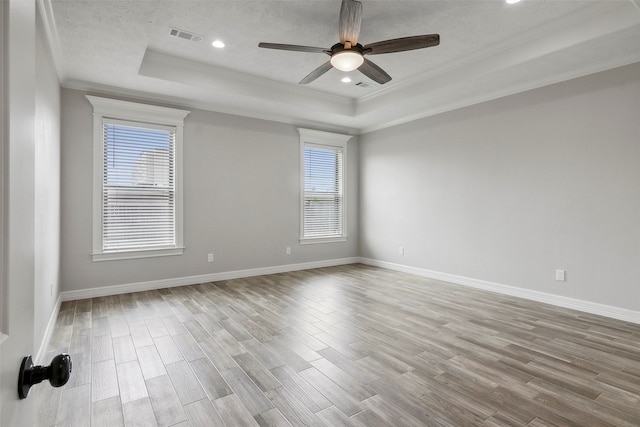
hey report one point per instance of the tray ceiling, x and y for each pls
(488, 49)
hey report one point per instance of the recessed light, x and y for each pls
(218, 43)
(346, 80)
(512, 1)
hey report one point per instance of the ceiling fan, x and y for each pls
(348, 55)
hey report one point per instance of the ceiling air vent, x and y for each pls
(187, 35)
(364, 85)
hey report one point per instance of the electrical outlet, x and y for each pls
(288, 250)
(560, 275)
(209, 257)
(401, 250)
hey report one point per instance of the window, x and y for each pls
(137, 180)
(323, 159)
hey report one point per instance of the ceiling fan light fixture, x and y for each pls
(347, 60)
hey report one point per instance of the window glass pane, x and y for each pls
(320, 170)
(323, 198)
(138, 188)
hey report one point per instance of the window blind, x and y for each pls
(323, 192)
(138, 197)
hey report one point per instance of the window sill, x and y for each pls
(312, 240)
(152, 253)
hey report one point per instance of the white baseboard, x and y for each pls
(48, 332)
(204, 278)
(557, 300)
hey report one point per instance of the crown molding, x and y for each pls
(209, 105)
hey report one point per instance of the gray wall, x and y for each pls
(241, 200)
(510, 190)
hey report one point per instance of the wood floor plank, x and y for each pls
(257, 372)
(123, 349)
(101, 348)
(131, 382)
(209, 377)
(201, 413)
(368, 418)
(75, 406)
(233, 412)
(235, 330)
(267, 357)
(334, 417)
(140, 335)
(156, 327)
(139, 413)
(104, 381)
(288, 355)
(250, 395)
(119, 326)
(185, 382)
(218, 356)
(150, 362)
(168, 350)
(188, 347)
(272, 418)
(173, 325)
(346, 381)
(292, 408)
(228, 342)
(389, 412)
(349, 366)
(348, 404)
(107, 413)
(166, 405)
(197, 331)
(80, 339)
(257, 330)
(310, 397)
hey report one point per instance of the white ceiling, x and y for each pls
(488, 49)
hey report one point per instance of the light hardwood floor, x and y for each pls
(349, 345)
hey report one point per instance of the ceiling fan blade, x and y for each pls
(294, 47)
(316, 73)
(350, 19)
(374, 72)
(402, 44)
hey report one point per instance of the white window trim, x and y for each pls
(320, 139)
(105, 108)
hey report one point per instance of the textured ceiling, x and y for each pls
(488, 49)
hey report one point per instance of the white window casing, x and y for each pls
(323, 160)
(137, 180)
